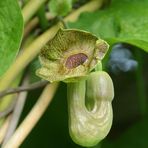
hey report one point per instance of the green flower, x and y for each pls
(71, 55)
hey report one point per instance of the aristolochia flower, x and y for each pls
(70, 55)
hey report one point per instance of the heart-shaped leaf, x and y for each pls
(123, 21)
(11, 28)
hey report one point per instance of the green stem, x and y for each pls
(140, 84)
(42, 18)
(99, 66)
(65, 25)
(31, 7)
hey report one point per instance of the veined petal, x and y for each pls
(70, 55)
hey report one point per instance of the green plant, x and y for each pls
(76, 55)
(70, 57)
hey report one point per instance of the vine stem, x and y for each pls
(23, 88)
(19, 105)
(31, 52)
(32, 118)
(33, 23)
(3, 129)
(43, 22)
(30, 8)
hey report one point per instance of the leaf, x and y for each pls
(123, 21)
(60, 7)
(11, 27)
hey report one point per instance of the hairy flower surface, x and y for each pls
(70, 55)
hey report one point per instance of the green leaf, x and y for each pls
(11, 28)
(60, 7)
(123, 21)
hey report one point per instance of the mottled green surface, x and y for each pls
(123, 21)
(11, 28)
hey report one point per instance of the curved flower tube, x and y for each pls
(70, 57)
(89, 126)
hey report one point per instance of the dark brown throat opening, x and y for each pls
(75, 60)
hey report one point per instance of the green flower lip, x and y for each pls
(70, 54)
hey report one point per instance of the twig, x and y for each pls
(3, 129)
(23, 88)
(43, 22)
(34, 22)
(30, 8)
(33, 117)
(17, 111)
